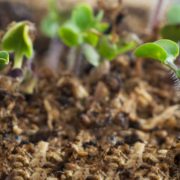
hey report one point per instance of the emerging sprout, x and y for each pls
(85, 31)
(17, 39)
(51, 22)
(4, 58)
(109, 49)
(172, 29)
(82, 27)
(164, 51)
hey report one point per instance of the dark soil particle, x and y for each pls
(120, 126)
(132, 139)
(122, 119)
(177, 160)
(113, 82)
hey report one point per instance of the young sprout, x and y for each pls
(49, 27)
(4, 58)
(165, 51)
(82, 27)
(109, 49)
(172, 29)
(18, 39)
(85, 31)
(51, 22)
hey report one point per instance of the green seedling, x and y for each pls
(165, 51)
(18, 40)
(51, 22)
(85, 31)
(4, 58)
(172, 29)
(110, 50)
(49, 27)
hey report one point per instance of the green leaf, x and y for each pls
(126, 47)
(171, 48)
(163, 50)
(99, 16)
(91, 54)
(110, 50)
(173, 15)
(70, 35)
(102, 27)
(50, 25)
(151, 50)
(4, 58)
(82, 16)
(17, 39)
(91, 38)
(107, 49)
(171, 32)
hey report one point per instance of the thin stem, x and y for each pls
(172, 66)
(71, 58)
(53, 54)
(18, 60)
(78, 63)
(157, 14)
(74, 60)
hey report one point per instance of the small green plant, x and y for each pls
(18, 40)
(172, 28)
(85, 31)
(165, 51)
(52, 21)
(4, 58)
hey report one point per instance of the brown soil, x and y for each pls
(120, 125)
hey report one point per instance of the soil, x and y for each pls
(121, 123)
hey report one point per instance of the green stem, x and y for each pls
(78, 62)
(74, 60)
(173, 67)
(71, 58)
(18, 60)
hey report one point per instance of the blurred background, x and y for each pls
(134, 16)
(139, 14)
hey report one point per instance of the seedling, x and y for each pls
(18, 39)
(49, 27)
(51, 22)
(165, 51)
(4, 58)
(172, 29)
(85, 31)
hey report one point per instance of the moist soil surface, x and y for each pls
(122, 122)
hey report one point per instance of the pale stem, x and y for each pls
(53, 55)
(18, 60)
(171, 65)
